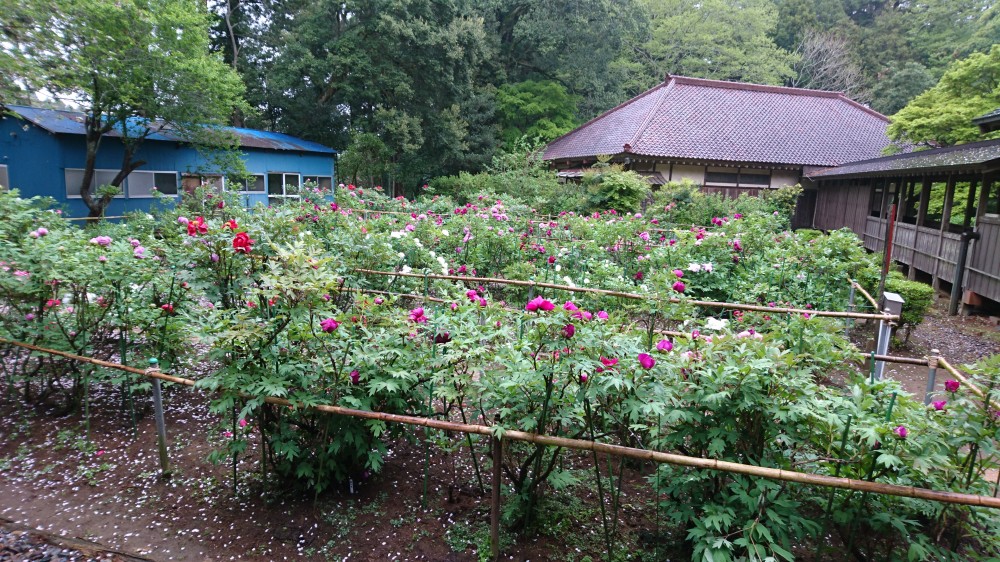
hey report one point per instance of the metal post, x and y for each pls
(161, 426)
(892, 303)
(956, 287)
(495, 506)
(932, 363)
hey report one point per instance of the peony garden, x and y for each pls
(698, 327)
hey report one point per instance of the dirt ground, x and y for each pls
(107, 492)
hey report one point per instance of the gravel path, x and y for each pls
(19, 543)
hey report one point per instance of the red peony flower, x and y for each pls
(242, 243)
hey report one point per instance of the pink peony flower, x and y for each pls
(329, 325)
(646, 360)
(679, 273)
(939, 405)
(417, 316)
(243, 422)
(664, 345)
(901, 432)
(570, 306)
(609, 361)
(583, 378)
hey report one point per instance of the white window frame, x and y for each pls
(306, 178)
(128, 183)
(284, 185)
(245, 188)
(95, 183)
(4, 176)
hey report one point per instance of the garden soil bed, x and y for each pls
(110, 495)
(64, 498)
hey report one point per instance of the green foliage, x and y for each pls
(918, 298)
(943, 115)
(614, 188)
(291, 317)
(715, 39)
(537, 110)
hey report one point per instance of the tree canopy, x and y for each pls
(943, 115)
(442, 84)
(134, 65)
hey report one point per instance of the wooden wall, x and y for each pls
(842, 204)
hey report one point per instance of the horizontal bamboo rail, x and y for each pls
(391, 294)
(581, 445)
(91, 218)
(962, 379)
(634, 296)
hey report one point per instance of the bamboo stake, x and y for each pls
(635, 296)
(864, 293)
(962, 379)
(581, 445)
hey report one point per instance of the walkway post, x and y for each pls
(956, 287)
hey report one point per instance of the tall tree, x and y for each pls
(943, 115)
(721, 39)
(581, 44)
(136, 66)
(538, 110)
(826, 62)
(409, 71)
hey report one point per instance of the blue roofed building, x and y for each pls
(43, 151)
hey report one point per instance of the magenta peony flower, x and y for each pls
(679, 286)
(329, 325)
(646, 360)
(602, 315)
(568, 331)
(609, 362)
(417, 315)
(951, 385)
(539, 304)
(583, 378)
(939, 405)
(679, 273)
(901, 432)
(570, 306)
(664, 345)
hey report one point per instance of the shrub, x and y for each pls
(917, 300)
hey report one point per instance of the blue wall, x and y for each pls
(36, 162)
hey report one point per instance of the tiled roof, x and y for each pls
(72, 123)
(972, 157)
(991, 116)
(712, 120)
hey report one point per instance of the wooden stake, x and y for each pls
(495, 505)
(161, 426)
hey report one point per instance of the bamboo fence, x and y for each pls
(634, 296)
(942, 496)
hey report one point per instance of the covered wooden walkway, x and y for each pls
(938, 194)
